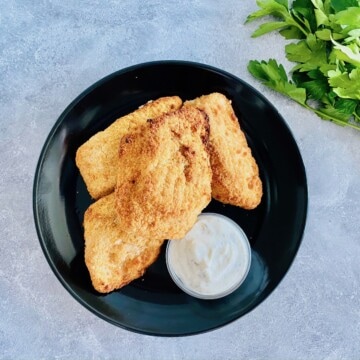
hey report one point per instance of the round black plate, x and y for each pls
(153, 304)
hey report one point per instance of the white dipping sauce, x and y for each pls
(212, 259)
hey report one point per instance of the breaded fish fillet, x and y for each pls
(97, 157)
(164, 175)
(236, 178)
(113, 257)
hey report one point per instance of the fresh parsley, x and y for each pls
(326, 76)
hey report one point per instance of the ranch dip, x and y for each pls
(212, 259)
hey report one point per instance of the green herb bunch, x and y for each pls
(326, 77)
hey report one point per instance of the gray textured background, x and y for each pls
(50, 51)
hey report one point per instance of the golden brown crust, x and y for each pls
(164, 164)
(236, 177)
(97, 157)
(113, 257)
(164, 175)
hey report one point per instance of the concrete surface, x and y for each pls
(50, 51)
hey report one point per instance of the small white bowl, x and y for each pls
(192, 271)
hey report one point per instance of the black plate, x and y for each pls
(153, 304)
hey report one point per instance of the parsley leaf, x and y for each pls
(320, 13)
(350, 16)
(291, 32)
(304, 13)
(274, 76)
(339, 5)
(268, 27)
(349, 53)
(346, 106)
(315, 83)
(346, 85)
(309, 53)
(278, 9)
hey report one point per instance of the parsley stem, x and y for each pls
(334, 119)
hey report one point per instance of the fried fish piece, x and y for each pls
(97, 157)
(164, 175)
(236, 179)
(114, 258)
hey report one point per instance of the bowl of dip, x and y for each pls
(212, 260)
